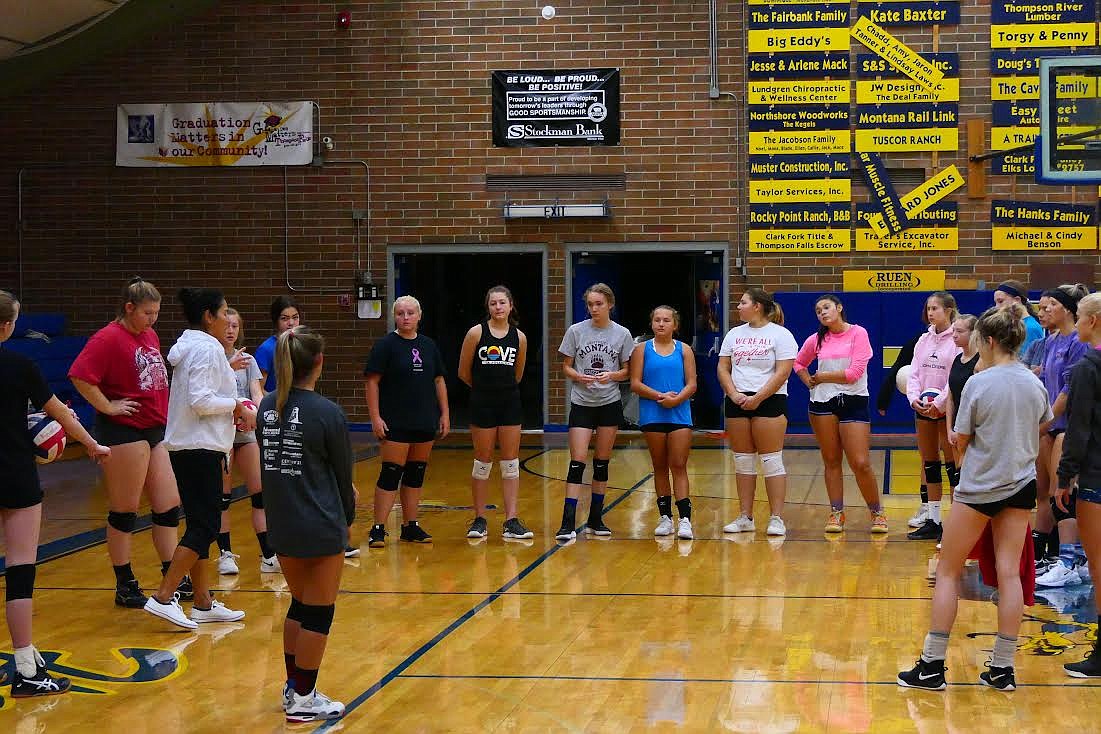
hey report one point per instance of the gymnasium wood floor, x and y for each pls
(737, 633)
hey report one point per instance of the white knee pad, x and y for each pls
(745, 463)
(482, 469)
(773, 464)
(510, 468)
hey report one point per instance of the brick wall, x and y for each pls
(406, 89)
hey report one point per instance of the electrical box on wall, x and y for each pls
(368, 300)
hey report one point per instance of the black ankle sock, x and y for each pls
(569, 516)
(1039, 544)
(164, 567)
(123, 573)
(288, 660)
(665, 505)
(223, 542)
(262, 539)
(684, 508)
(596, 508)
(924, 491)
(1053, 542)
(304, 681)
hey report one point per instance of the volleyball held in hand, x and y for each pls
(902, 377)
(247, 405)
(928, 395)
(48, 437)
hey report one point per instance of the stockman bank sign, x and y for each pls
(214, 134)
(563, 107)
(894, 280)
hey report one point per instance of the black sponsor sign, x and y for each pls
(560, 107)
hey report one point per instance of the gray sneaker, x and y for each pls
(515, 530)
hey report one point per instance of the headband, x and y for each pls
(1010, 290)
(1069, 302)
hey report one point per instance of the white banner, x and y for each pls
(215, 134)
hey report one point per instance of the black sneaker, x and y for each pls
(411, 532)
(929, 531)
(41, 684)
(1088, 668)
(351, 551)
(565, 533)
(515, 530)
(478, 528)
(1000, 678)
(597, 527)
(377, 538)
(128, 594)
(929, 676)
(185, 589)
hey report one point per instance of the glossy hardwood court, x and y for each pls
(737, 633)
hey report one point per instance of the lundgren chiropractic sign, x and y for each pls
(562, 107)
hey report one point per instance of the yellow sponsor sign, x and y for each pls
(921, 139)
(799, 240)
(1028, 87)
(915, 239)
(893, 280)
(896, 53)
(890, 354)
(906, 91)
(1038, 35)
(790, 142)
(1002, 138)
(792, 191)
(1038, 239)
(798, 40)
(789, 2)
(817, 91)
(923, 197)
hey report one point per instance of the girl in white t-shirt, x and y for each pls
(754, 365)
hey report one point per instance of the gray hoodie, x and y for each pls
(203, 396)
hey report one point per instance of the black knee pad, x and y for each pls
(294, 612)
(226, 501)
(600, 470)
(953, 473)
(389, 477)
(123, 522)
(413, 477)
(20, 580)
(316, 618)
(256, 500)
(168, 518)
(1068, 514)
(576, 473)
(932, 472)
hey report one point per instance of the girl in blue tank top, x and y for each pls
(663, 374)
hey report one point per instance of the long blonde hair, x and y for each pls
(296, 353)
(137, 292)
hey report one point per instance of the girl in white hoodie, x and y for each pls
(202, 409)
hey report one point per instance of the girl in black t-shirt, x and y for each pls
(492, 363)
(407, 402)
(21, 498)
(963, 366)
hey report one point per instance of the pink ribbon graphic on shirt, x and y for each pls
(416, 356)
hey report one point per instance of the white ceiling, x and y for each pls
(27, 25)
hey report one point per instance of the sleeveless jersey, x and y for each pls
(664, 374)
(494, 365)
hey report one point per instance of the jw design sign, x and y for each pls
(563, 107)
(897, 114)
(214, 134)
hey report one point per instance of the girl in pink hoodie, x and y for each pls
(933, 357)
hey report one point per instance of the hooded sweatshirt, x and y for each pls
(203, 396)
(1082, 445)
(933, 357)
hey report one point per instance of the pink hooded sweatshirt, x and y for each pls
(933, 356)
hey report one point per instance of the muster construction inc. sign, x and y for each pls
(563, 107)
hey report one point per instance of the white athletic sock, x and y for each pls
(934, 511)
(25, 661)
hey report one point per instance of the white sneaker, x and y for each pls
(1083, 570)
(172, 611)
(665, 526)
(218, 612)
(744, 524)
(313, 707)
(288, 696)
(1059, 576)
(776, 526)
(684, 529)
(227, 563)
(919, 517)
(270, 565)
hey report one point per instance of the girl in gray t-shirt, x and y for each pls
(998, 425)
(595, 353)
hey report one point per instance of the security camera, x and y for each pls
(328, 143)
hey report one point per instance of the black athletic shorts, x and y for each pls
(110, 433)
(490, 410)
(21, 491)
(663, 427)
(1056, 432)
(847, 408)
(774, 406)
(921, 417)
(596, 416)
(1024, 499)
(401, 435)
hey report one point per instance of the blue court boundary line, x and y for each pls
(887, 473)
(401, 667)
(721, 681)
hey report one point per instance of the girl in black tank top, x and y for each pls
(493, 365)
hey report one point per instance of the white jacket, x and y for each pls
(203, 396)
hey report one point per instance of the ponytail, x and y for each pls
(296, 353)
(769, 306)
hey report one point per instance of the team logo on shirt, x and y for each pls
(494, 355)
(294, 416)
(418, 361)
(151, 372)
(271, 416)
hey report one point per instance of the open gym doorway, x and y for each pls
(451, 285)
(689, 277)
